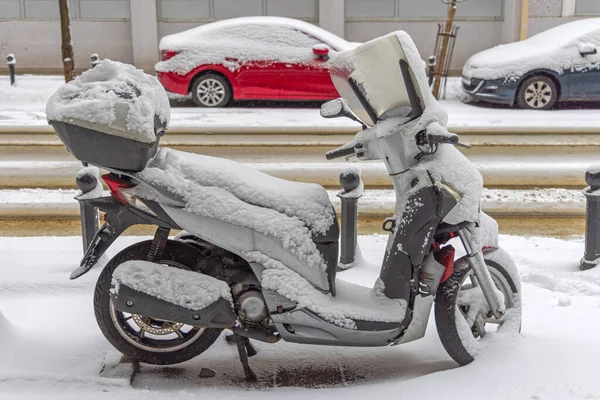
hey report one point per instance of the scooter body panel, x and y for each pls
(240, 240)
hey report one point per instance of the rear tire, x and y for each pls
(121, 334)
(452, 326)
(538, 92)
(211, 90)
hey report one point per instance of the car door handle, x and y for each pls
(289, 65)
(231, 59)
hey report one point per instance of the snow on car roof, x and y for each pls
(188, 37)
(538, 51)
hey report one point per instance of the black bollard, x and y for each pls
(94, 60)
(353, 190)
(11, 61)
(87, 181)
(431, 68)
(591, 256)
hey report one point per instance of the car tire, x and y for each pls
(538, 92)
(211, 90)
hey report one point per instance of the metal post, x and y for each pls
(87, 181)
(353, 190)
(591, 257)
(94, 60)
(431, 69)
(11, 61)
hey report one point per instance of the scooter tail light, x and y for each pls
(115, 185)
(122, 191)
(445, 256)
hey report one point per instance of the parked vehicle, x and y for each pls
(560, 64)
(259, 254)
(251, 58)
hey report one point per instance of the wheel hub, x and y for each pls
(156, 327)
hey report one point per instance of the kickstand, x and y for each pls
(242, 347)
(249, 348)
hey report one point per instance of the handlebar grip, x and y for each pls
(341, 152)
(437, 139)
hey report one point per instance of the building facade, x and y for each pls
(129, 30)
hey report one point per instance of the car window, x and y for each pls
(267, 33)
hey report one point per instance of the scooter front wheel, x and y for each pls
(462, 315)
(138, 336)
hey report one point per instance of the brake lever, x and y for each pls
(463, 145)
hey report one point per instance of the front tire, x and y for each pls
(458, 303)
(211, 90)
(537, 92)
(163, 342)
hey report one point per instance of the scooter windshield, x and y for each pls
(371, 80)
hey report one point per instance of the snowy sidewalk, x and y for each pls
(51, 347)
(375, 203)
(22, 108)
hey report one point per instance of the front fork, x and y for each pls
(484, 278)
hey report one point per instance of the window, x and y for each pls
(423, 9)
(210, 10)
(78, 9)
(587, 7)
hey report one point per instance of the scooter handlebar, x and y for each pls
(339, 152)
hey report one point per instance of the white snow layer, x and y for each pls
(556, 49)
(217, 188)
(352, 302)
(236, 41)
(100, 94)
(184, 288)
(554, 357)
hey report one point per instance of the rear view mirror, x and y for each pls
(321, 51)
(586, 49)
(338, 108)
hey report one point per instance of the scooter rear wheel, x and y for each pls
(140, 337)
(462, 313)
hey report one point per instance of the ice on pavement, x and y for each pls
(57, 350)
(99, 94)
(177, 286)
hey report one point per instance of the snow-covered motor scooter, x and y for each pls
(258, 254)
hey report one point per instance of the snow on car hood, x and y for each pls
(554, 49)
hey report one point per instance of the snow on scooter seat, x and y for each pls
(99, 94)
(291, 212)
(184, 288)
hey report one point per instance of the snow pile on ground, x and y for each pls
(225, 190)
(116, 95)
(59, 350)
(352, 302)
(556, 49)
(177, 286)
(236, 41)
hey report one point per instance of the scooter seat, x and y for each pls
(292, 212)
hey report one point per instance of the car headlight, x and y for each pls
(466, 81)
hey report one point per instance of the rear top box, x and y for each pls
(111, 116)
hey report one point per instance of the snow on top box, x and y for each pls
(112, 115)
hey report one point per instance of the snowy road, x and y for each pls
(24, 105)
(51, 348)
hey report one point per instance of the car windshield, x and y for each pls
(566, 34)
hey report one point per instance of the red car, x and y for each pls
(258, 58)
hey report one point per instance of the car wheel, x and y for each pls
(538, 93)
(211, 90)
